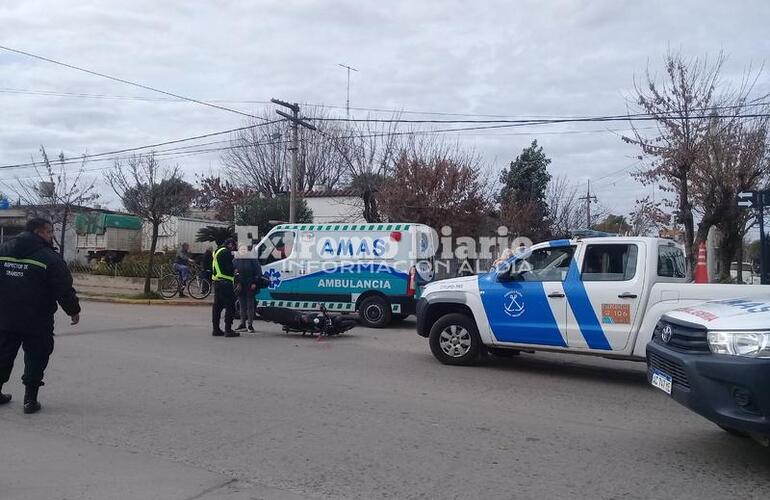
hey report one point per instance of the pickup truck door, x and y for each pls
(604, 294)
(527, 304)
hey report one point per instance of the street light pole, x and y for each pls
(296, 121)
(347, 101)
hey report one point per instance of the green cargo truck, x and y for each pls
(107, 235)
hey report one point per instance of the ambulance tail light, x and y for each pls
(411, 287)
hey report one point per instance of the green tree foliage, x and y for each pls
(522, 198)
(615, 224)
(260, 211)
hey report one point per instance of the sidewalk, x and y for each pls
(122, 290)
(123, 299)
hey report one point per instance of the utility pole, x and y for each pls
(296, 121)
(589, 199)
(347, 101)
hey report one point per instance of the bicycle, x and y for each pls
(198, 286)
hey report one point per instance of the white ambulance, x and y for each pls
(375, 269)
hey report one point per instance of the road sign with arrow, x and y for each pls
(747, 199)
(757, 200)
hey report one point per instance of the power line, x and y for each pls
(128, 82)
(171, 153)
(149, 146)
(521, 122)
(51, 93)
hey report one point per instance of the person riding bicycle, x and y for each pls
(182, 266)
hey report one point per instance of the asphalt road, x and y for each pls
(141, 402)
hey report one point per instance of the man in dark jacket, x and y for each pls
(33, 278)
(247, 273)
(223, 277)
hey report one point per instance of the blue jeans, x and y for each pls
(184, 272)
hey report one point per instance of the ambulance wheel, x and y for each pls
(375, 312)
(454, 340)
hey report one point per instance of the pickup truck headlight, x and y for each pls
(748, 344)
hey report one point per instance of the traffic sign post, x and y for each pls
(757, 200)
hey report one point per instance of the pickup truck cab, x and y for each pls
(600, 296)
(714, 358)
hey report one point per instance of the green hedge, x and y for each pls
(132, 265)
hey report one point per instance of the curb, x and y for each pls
(144, 302)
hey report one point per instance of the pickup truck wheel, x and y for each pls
(454, 340)
(734, 432)
(375, 312)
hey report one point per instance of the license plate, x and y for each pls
(661, 380)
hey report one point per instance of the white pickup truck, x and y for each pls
(600, 296)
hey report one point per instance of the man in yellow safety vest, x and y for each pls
(223, 276)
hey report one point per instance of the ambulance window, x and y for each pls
(545, 264)
(613, 262)
(278, 246)
(671, 262)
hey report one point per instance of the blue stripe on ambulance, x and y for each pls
(583, 310)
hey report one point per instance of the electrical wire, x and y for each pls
(331, 106)
(128, 82)
(149, 146)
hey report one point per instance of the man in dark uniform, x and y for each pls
(247, 281)
(223, 277)
(33, 278)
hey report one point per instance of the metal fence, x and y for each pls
(129, 270)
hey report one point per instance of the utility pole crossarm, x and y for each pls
(294, 107)
(589, 198)
(295, 120)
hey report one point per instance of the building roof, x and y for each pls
(329, 193)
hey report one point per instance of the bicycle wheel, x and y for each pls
(169, 286)
(199, 288)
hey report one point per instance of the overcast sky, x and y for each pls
(518, 59)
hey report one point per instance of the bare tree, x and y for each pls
(736, 160)
(368, 152)
(648, 218)
(152, 192)
(677, 104)
(566, 212)
(260, 157)
(447, 186)
(55, 192)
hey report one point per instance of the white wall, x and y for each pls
(329, 209)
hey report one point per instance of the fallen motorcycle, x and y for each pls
(315, 323)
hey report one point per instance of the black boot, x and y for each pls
(31, 405)
(4, 398)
